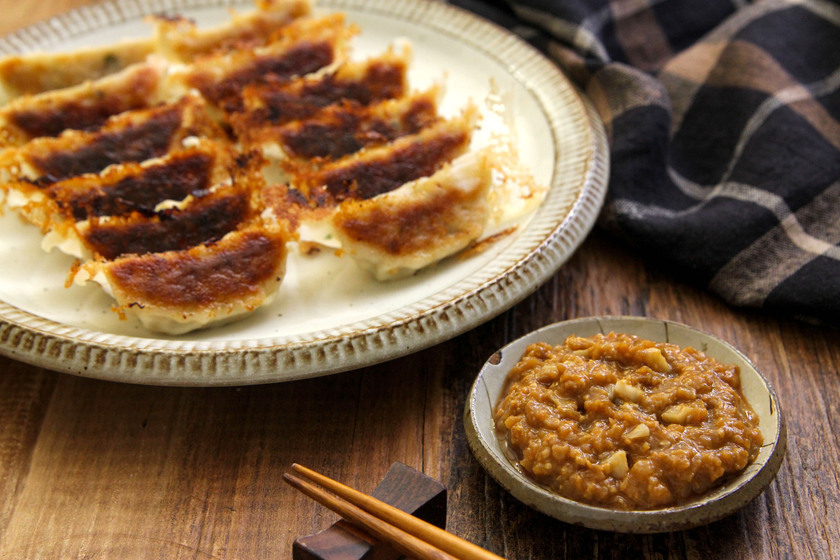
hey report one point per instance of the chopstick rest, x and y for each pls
(406, 533)
(400, 540)
(402, 487)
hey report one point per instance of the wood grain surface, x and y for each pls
(95, 469)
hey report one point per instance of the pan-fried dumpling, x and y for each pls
(395, 234)
(133, 136)
(86, 106)
(175, 38)
(179, 39)
(305, 46)
(178, 291)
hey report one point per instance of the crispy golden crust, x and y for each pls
(134, 136)
(443, 213)
(223, 200)
(39, 72)
(179, 291)
(179, 39)
(266, 106)
(383, 169)
(236, 268)
(133, 187)
(205, 259)
(348, 127)
(176, 38)
(190, 196)
(205, 220)
(84, 107)
(121, 190)
(300, 48)
(345, 127)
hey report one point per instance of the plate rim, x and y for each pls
(46, 343)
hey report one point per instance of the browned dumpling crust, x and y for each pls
(301, 48)
(131, 136)
(348, 126)
(176, 38)
(36, 73)
(445, 213)
(84, 107)
(181, 40)
(382, 169)
(179, 291)
(267, 106)
(76, 212)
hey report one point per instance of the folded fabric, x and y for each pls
(723, 119)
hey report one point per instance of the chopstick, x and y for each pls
(403, 542)
(408, 534)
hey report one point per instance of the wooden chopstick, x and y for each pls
(396, 518)
(403, 542)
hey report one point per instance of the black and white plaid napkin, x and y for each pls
(724, 125)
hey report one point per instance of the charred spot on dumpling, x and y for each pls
(214, 273)
(348, 126)
(381, 170)
(84, 108)
(144, 140)
(363, 83)
(421, 222)
(184, 174)
(301, 59)
(204, 221)
(298, 49)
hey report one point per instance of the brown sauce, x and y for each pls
(621, 422)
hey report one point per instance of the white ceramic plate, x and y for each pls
(478, 421)
(343, 320)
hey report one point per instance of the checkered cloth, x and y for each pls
(723, 119)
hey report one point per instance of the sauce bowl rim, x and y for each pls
(712, 506)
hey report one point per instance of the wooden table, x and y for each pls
(95, 469)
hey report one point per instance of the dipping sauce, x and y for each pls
(626, 423)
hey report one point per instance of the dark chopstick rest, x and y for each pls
(402, 487)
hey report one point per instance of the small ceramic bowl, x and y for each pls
(737, 492)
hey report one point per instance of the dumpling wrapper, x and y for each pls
(207, 285)
(395, 234)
